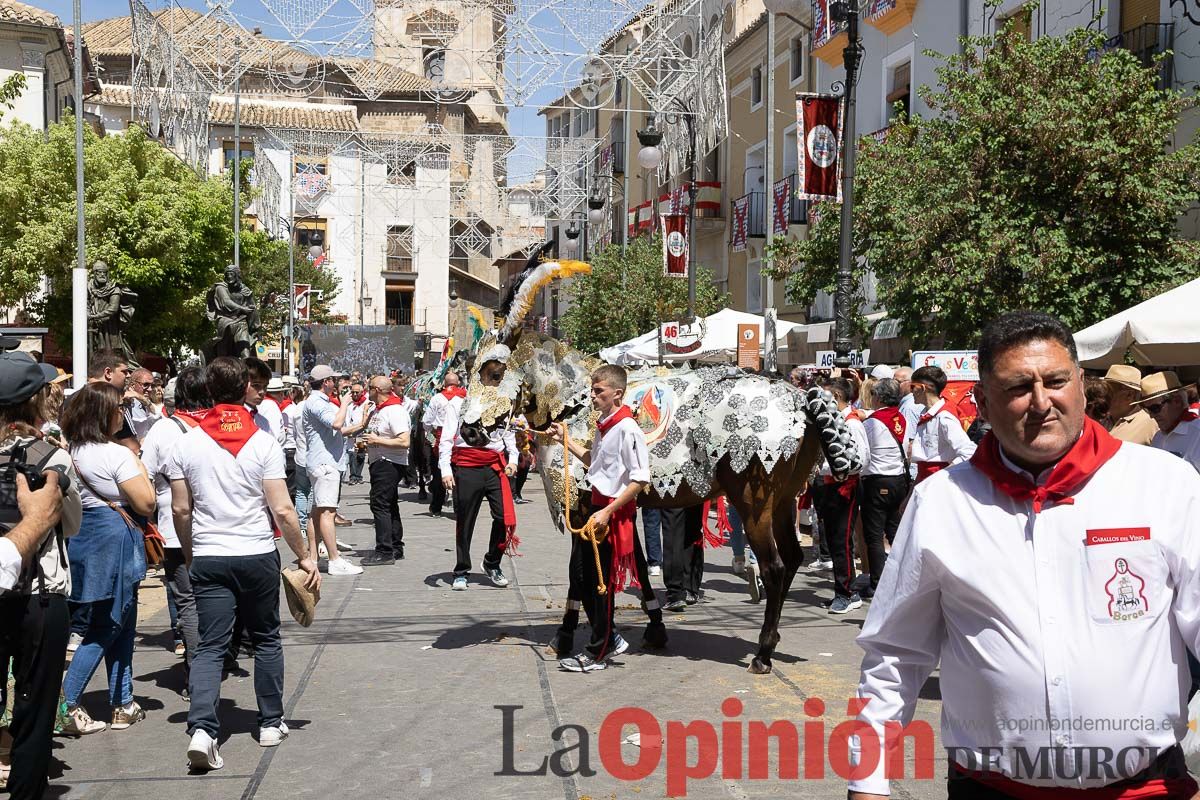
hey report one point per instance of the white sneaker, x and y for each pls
(74, 642)
(340, 566)
(78, 723)
(460, 584)
(739, 565)
(271, 737)
(342, 546)
(321, 551)
(656, 571)
(202, 752)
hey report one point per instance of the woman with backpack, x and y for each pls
(34, 621)
(108, 557)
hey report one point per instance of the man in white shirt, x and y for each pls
(618, 469)
(324, 423)
(191, 404)
(278, 400)
(356, 421)
(940, 440)
(475, 474)
(387, 441)
(227, 487)
(836, 503)
(452, 394)
(1055, 579)
(885, 479)
(1165, 399)
(138, 409)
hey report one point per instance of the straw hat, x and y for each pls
(1125, 375)
(1159, 384)
(301, 600)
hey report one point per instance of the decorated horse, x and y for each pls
(710, 431)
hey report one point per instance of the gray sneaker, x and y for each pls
(460, 583)
(581, 663)
(620, 646)
(842, 605)
(495, 576)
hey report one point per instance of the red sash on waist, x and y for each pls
(476, 457)
(437, 439)
(846, 488)
(1171, 788)
(927, 468)
(620, 531)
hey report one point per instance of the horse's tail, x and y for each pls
(837, 442)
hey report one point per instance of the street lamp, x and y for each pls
(846, 12)
(572, 238)
(650, 156)
(595, 204)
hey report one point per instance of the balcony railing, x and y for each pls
(1146, 42)
(797, 208)
(617, 149)
(399, 316)
(756, 214)
(399, 263)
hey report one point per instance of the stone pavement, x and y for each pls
(392, 691)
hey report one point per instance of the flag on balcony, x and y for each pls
(741, 223)
(819, 140)
(645, 217)
(708, 196)
(632, 218)
(781, 194)
(675, 245)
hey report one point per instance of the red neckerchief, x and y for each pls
(193, 418)
(893, 420)
(391, 401)
(358, 403)
(284, 403)
(1090, 452)
(335, 401)
(624, 412)
(938, 408)
(451, 392)
(497, 461)
(230, 425)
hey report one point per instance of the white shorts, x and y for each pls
(326, 484)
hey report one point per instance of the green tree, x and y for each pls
(265, 269)
(1040, 180)
(10, 90)
(626, 294)
(164, 231)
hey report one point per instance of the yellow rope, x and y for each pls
(588, 532)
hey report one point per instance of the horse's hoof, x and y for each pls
(758, 667)
(655, 635)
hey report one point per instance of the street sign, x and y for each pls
(749, 354)
(858, 358)
(681, 339)
(959, 365)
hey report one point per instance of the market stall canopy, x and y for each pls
(1162, 332)
(719, 344)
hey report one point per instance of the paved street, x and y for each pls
(391, 693)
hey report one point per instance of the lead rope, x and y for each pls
(588, 532)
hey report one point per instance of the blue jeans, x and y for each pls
(110, 642)
(737, 535)
(231, 590)
(652, 527)
(303, 498)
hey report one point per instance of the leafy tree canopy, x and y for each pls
(627, 294)
(1042, 179)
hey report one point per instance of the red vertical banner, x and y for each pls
(301, 297)
(741, 219)
(675, 245)
(781, 201)
(819, 140)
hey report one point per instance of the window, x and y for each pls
(399, 248)
(247, 154)
(401, 174)
(1022, 23)
(756, 87)
(900, 82)
(434, 59)
(305, 165)
(796, 70)
(1135, 13)
(312, 237)
(619, 93)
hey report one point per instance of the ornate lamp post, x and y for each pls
(650, 157)
(847, 12)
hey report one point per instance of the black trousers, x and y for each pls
(882, 497)
(582, 594)
(385, 507)
(437, 492)
(837, 524)
(683, 551)
(290, 473)
(33, 633)
(519, 480)
(473, 485)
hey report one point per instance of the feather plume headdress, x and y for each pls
(533, 283)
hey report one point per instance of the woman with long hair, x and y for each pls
(108, 557)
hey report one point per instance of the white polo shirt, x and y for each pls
(1051, 630)
(268, 417)
(941, 439)
(1183, 441)
(230, 516)
(619, 458)
(157, 449)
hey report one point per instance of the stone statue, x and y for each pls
(110, 308)
(232, 307)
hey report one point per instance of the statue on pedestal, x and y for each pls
(232, 307)
(110, 308)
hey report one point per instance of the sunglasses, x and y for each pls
(1154, 409)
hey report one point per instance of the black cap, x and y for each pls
(9, 343)
(20, 378)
